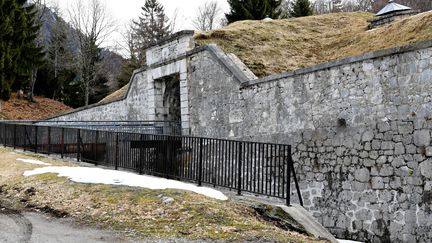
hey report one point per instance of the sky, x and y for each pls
(123, 11)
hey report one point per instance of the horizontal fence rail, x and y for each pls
(144, 127)
(257, 168)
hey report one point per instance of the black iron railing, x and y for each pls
(145, 127)
(258, 168)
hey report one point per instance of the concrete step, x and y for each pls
(308, 222)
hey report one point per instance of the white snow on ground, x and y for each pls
(31, 161)
(113, 177)
(348, 241)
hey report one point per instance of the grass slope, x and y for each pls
(137, 211)
(289, 44)
(22, 109)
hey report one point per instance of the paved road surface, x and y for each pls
(38, 228)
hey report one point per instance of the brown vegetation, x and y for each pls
(115, 95)
(22, 109)
(289, 44)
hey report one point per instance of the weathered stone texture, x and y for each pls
(366, 125)
(360, 130)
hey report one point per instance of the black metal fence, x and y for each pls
(258, 168)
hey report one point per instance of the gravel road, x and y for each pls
(38, 228)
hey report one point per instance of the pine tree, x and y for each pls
(6, 33)
(300, 8)
(151, 26)
(253, 9)
(18, 51)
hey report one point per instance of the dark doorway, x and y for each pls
(167, 92)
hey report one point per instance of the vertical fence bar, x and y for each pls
(116, 151)
(239, 171)
(62, 142)
(295, 180)
(96, 146)
(165, 154)
(36, 139)
(200, 161)
(4, 135)
(49, 140)
(78, 145)
(14, 136)
(288, 189)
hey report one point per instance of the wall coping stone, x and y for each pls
(169, 38)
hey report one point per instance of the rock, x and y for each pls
(399, 149)
(429, 151)
(387, 145)
(422, 138)
(377, 183)
(362, 175)
(166, 200)
(367, 136)
(426, 169)
(383, 127)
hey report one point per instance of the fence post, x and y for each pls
(141, 156)
(62, 142)
(288, 191)
(49, 140)
(78, 145)
(2, 133)
(295, 181)
(239, 171)
(96, 147)
(116, 151)
(14, 136)
(36, 139)
(200, 162)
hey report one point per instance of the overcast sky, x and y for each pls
(126, 10)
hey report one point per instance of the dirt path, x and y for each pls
(35, 227)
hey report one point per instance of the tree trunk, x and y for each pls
(87, 92)
(33, 82)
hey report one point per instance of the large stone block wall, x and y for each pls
(360, 132)
(389, 87)
(135, 106)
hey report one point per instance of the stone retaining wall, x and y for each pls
(360, 128)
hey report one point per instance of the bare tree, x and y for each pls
(41, 9)
(93, 25)
(285, 7)
(207, 16)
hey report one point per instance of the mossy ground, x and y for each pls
(138, 212)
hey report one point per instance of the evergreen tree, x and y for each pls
(18, 51)
(151, 26)
(253, 9)
(300, 8)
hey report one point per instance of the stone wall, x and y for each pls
(360, 129)
(144, 98)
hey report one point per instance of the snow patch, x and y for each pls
(113, 177)
(32, 161)
(348, 241)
